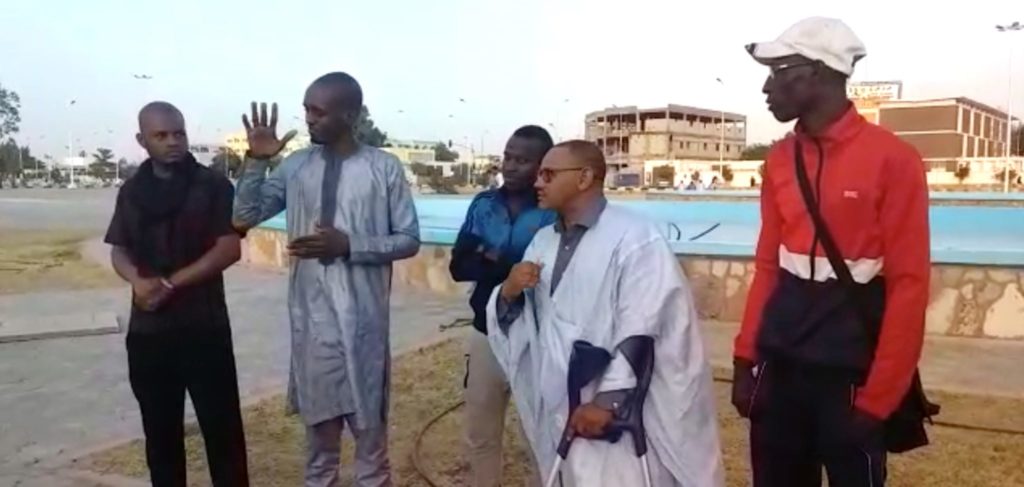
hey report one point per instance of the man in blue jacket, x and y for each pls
(499, 224)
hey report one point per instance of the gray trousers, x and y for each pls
(487, 398)
(323, 448)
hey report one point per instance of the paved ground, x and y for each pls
(50, 209)
(61, 395)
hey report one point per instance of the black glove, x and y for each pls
(743, 385)
(863, 428)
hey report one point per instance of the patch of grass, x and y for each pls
(47, 261)
(429, 381)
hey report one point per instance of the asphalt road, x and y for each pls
(86, 210)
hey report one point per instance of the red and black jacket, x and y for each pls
(872, 192)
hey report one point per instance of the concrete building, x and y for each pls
(630, 136)
(947, 129)
(410, 151)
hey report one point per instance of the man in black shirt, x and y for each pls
(171, 239)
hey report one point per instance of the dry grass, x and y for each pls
(47, 261)
(428, 381)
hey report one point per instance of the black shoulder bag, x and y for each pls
(904, 429)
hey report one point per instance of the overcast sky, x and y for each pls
(514, 62)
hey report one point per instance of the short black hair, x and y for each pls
(158, 107)
(588, 154)
(347, 84)
(536, 132)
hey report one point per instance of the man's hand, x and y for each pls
(524, 275)
(590, 421)
(325, 243)
(262, 133)
(149, 294)
(743, 385)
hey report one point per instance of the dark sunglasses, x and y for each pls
(547, 173)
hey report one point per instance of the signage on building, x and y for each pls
(875, 90)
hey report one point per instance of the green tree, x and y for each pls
(9, 164)
(128, 169)
(103, 165)
(444, 154)
(756, 152)
(10, 116)
(367, 132)
(1002, 174)
(727, 174)
(962, 172)
(228, 156)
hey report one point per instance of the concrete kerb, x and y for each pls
(65, 465)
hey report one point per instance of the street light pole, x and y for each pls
(721, 140)
(71, 148)
(1014, 27)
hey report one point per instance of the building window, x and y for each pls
(718, 147)
(705, 146)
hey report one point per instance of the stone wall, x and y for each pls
(967, 301)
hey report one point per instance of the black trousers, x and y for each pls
(161, 367)
(802, 419)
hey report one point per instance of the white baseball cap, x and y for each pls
(829, 41)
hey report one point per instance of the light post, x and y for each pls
(721, 121)
(71, 149)
(1014, 27)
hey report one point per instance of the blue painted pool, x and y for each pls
(982, 235)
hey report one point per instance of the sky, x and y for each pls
(546, 62)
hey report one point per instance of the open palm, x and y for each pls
(262, 132)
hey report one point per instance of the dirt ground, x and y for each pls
(429, 381)
(32, 261)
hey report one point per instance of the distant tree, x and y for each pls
(56, 176)
(444, 154)
(1002, 174)
(128, 170)
(103, 165)
(756, 152)
(9, 164)
(82, 154)
(367, 132)
(420, 169)
(962, 172)
(228, 156)
(10, 116)
(727, 174)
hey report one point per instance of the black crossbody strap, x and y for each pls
(835, 258)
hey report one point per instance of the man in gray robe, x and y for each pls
(350, 215)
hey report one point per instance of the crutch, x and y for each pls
(586, 363)
(639, 352)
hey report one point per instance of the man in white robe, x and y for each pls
(350, 215)
(603, 274)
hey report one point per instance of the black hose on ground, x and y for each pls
(418, 463)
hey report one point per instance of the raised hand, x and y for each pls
(524, 275)
(262, 132)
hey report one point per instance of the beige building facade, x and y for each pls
(630, 136)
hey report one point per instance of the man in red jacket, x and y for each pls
(808, 373)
